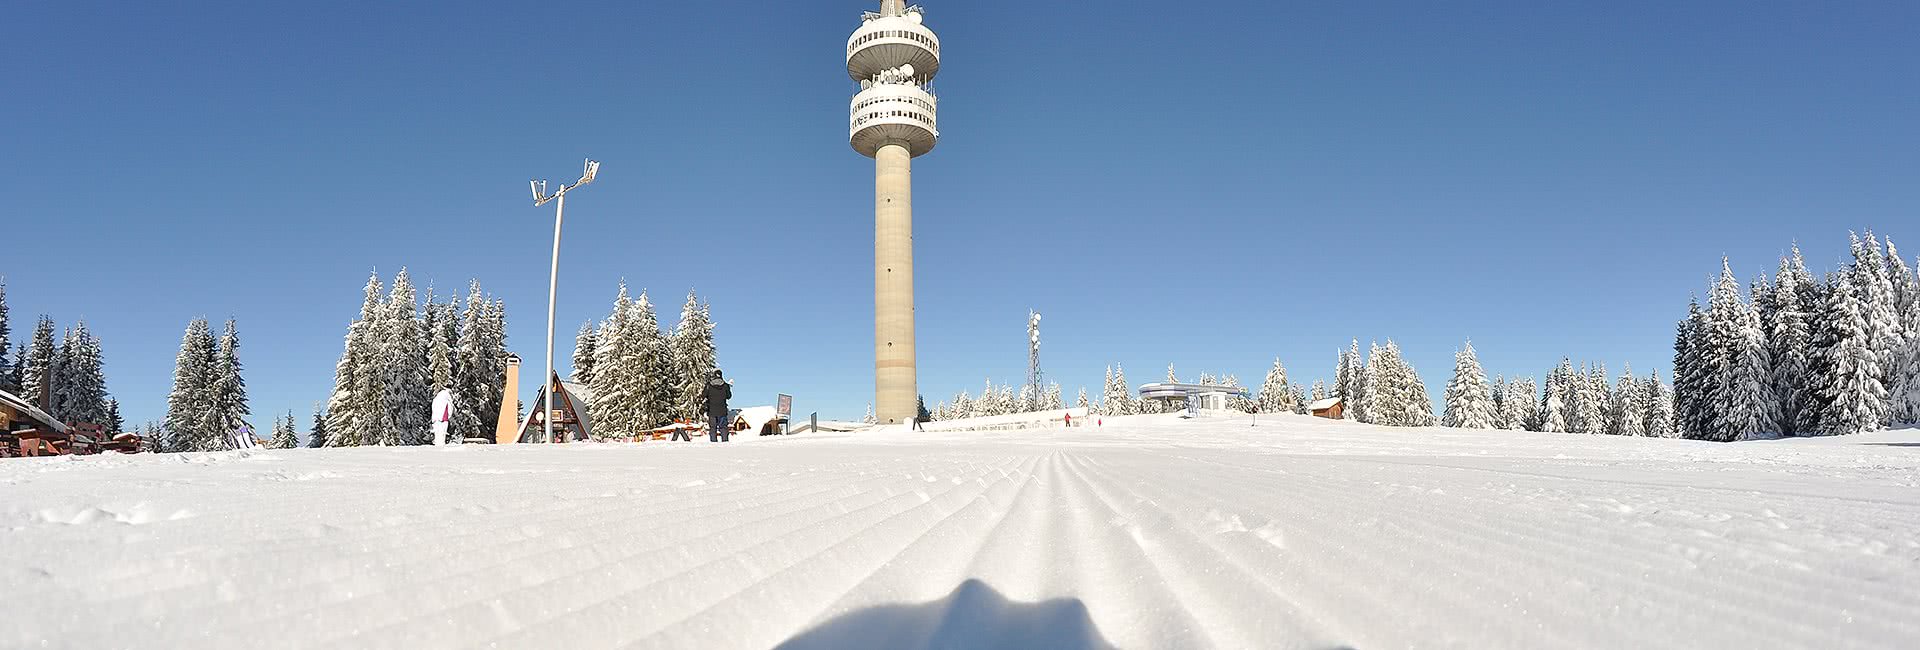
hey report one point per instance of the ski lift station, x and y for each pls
(1197, 397)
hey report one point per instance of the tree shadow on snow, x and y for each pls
(1892, 444)
(973, 616)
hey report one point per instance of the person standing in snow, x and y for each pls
(442, 416)
(717, 394)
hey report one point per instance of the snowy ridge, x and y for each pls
(1148, 532)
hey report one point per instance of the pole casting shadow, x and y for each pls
(973, 616)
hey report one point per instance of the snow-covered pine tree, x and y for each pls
(1119, 396)
(1497, 394)
(1875, 293)
(284, 435)
(657, 368)
(442, 336)
(1052, 400)
(39, 362)
(1906, 287)
(1522, 405)
(963, 406)
(228, 394)
(614, 405)
(1628, 417)
(1469, 403)
(1356, 397)
(1903, 398)
(1855, 400)
(1376, 399)
(482, 372)
(1080, 402)
(403, 351)
(115, 424)
(1553, 402)
(6, 338)
(1688, 371)
(191, 397)
(317, 438)
(869, 417)
(1343, 382)
(16, 374)
(370, 425)
(693, 355)
(1788, 343)
(1025, 401)
(1419, 405)
(584, 345)
(83, 387)
(1656, 409)
(1276, 395)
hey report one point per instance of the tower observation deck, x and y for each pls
(893, 119)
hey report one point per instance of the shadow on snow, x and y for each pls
(973, 616)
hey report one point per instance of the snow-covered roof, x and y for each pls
(16, 403)
(757, 416)
(1322, 405)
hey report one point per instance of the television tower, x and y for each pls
(893, 57)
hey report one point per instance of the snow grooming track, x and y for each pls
(1298, 533)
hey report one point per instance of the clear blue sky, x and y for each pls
(1547, 178)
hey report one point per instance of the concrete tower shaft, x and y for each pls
(893, 120)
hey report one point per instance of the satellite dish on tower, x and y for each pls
(915, 17)
(906, 71)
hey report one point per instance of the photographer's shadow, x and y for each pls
(973, 616)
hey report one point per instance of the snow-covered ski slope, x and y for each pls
(1149, 532)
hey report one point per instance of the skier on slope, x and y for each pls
(717, 393)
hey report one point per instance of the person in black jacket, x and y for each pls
(717, 394)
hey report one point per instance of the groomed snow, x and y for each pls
(1150, 532)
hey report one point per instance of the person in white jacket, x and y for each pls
(442, 416)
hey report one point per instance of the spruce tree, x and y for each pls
(584, 345)
(1119, 396)
(1628, 417)
(1468, 402)
(1875, 291)
(1319, 390)
(317, 438)
(656, 369)
(37, 373)
(1078, 403)
(403, 354)
(284, 434)
(1553, 402)
(115, 424)
(1520, 405)
(1276, 395)
(16, 375)
(1904, 393)
(1688, 371)
(1656, 408)
(482, 367)
(82, 386)
(693, 355)
(442, 337)
(227, 393)
(1788, 344)
(612, 406)
(1855, 400)
(6, 335)
(371, 415)
(192, 397)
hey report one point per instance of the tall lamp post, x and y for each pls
(540, 198)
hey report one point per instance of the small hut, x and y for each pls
(1330, 408)
(569, 412)
(25, 429)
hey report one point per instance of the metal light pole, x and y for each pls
(540, 198)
